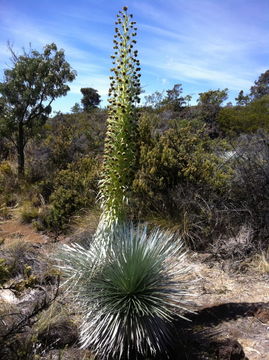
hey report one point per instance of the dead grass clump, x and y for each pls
(260, 262)
(20, 256)
(237, 247)
(55, 327)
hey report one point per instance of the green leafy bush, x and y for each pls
(181, 179)
(65, 139)
(4, 271)
(28, 213)
(244, 119)
(8, 181)
(180, 156)
(74, 189)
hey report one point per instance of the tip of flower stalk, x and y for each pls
(125, 8)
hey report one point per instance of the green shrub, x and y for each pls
(4, 271)
(244, 119)
(8, 180)
(65, 139)
(181, 179)
(18, 255)
(4, 211)
(74, 189)
(28, 213)
(249, 185)
(184, 156)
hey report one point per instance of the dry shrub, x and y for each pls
(250, 184)
(236, 247)
(260, 262)
(55, 327)
(28, 213)
(19, 256)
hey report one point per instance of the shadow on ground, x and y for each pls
(199, 339)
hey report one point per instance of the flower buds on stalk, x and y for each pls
(120, 145)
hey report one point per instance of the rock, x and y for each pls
(8, 296)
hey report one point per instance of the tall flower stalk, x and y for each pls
(120, 144)
(130, 284)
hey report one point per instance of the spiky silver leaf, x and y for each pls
(130, 285)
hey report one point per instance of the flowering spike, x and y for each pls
(120, 146)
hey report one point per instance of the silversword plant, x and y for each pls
(120, 143)
(129, 288)
(129, 284)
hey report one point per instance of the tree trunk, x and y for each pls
(20, 151)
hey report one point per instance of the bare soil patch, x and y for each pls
(13, 229)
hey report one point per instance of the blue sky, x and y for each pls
(202, 44)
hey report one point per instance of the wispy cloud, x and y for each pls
(202, 44)
(213, 42)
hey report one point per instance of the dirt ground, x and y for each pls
(235, 306)
(229, 305)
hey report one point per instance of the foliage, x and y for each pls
(28, 90)
(174, 99)
(8, 181)
(213, 97)
(130, 286)
(181, 181)
(4, 271)
(261, 86)
(18, 255)
(209, 103)
(74, 189)
(76, 108)
(65, 139)
(181, 155)
(120, 142)
(242, 99)
(154, 100)
(244, 119)
(28, 213)
(91, 99)
(5, 148)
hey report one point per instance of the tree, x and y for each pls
(154, 100)
(261, 86)
(213, 97)
(209, 103)
(174, 98)
(76, 108)
(242, 99)
(91, 99)
(28, 90)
